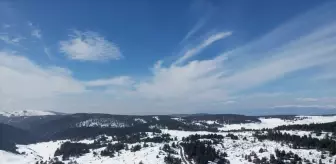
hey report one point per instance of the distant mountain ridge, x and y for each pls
(27, 113)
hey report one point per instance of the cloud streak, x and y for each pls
(115, 81)
(199, 48)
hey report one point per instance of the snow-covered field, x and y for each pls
(46, 150)
(274, 122)
(236, 149)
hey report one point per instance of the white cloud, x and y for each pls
(207, 42)
(89, 46)
(115, 81)
(307, 106)
(36, 33)
(13, 40)
(21, 78)
(189, 81)
(307, 99)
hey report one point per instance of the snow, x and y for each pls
(146, 155)
(236, 149)
(209, 122)
(102, 122)
(46, 150)
(43, 150)
(307, 133)
(274, 122)
(11, 158)
(197, 123)
(25, 113)
(178, 119)
(140, 120)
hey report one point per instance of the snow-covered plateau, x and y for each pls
(236, 149)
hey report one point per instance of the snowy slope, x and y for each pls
(10, 158)
(25, 113)
(46, 150)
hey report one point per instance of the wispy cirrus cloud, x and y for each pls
(199, 48)
(199, 24)
(8, 39)
(89, 46)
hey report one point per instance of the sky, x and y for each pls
(168, 57)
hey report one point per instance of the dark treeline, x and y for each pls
(201, 152)
(169, 159)
(232, 136)
(223, 118)
(159, 139)
(283, 155)
(300, 142)
(206, 136)
(112, 148)
(69, 149)
(328, 127)
(91, 132)
(169, 149)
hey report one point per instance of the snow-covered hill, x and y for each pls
(236, 149)
(26, 113)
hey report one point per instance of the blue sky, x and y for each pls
(151, 57)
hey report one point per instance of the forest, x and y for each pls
(297, 142)
(327, 127)
(201, 152)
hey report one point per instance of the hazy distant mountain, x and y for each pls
(26, 113)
